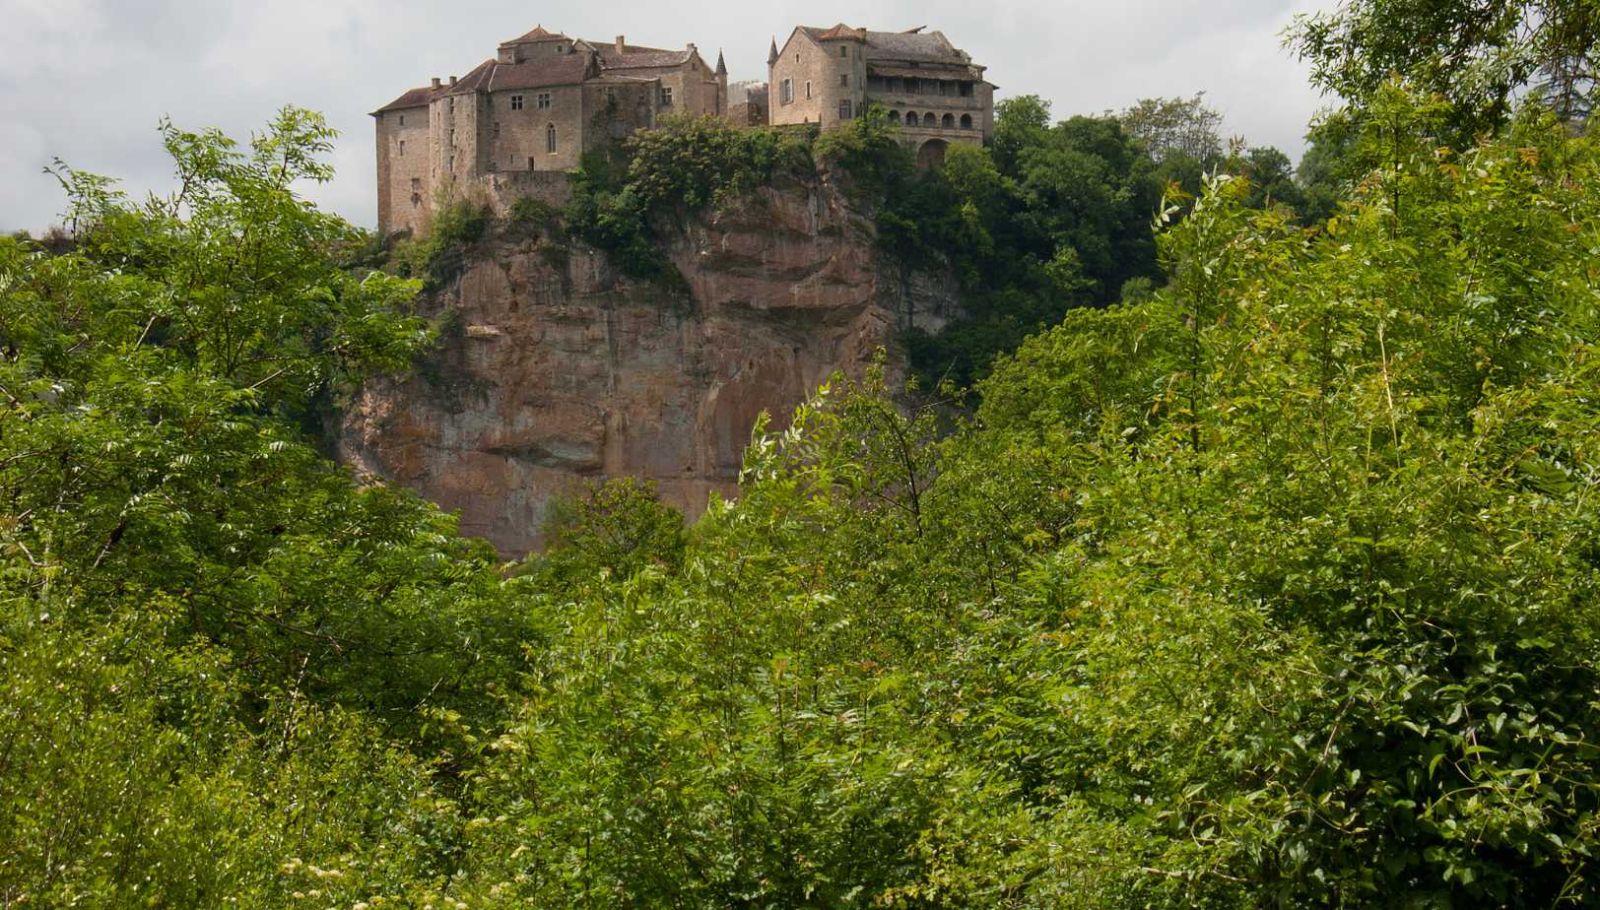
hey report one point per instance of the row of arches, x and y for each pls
(930, 120)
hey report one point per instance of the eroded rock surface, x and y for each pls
(562, 371)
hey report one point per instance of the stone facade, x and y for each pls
(747, 104)
(537, 106)
(928, 85)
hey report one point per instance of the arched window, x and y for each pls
(929, 120)
(949, 121)
(966, 121)
(550, 138)
(894, 117)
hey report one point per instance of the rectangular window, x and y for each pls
(844, 50)
(844, 80)
(666, 96)
(808, 89)
(544, 101)
(416, 184)
(550, 138)
(516, 102)
(402, 119)
(966, 90)
(452, 138)
(845, 111)
(786, 91)
(452, 105)
(402, 148)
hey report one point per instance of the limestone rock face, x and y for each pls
(562, 371)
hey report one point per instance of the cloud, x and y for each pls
(88, 80)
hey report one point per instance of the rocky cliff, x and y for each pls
(558, 370)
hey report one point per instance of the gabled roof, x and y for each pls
(538, 34)
(417, 97)
(473, 81)
(570, 69)
(636, 57)
(932, 47)
(840, 32)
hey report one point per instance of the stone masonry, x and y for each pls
(537, 106)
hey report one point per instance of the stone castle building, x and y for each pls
(517, 122)
(927, 85)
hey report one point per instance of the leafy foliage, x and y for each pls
(684, 166)
(1476, 55)
(1272, 586)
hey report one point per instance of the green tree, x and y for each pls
(1476, 55)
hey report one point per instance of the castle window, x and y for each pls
(452, 138)
(550, 138)
(929, 120)
(786, 91)
(544, 101)
(845, 109)
(966, 90)
(402, 119)
(844, 79)
(402, 148)
(516, 102)
(497, 130)
(966, 121)
(416, 184)
(666, 96)
(949, 122)
(808, 89)
(844, 50)
(452, 105)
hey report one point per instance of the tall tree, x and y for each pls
(1477, 54)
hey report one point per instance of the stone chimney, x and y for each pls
(692, 48)
(622, 43)
(452, 80)
(436, 81)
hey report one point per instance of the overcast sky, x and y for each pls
(88, 80)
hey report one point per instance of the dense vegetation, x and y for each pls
(1272, 586)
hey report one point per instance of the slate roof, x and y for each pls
(634, 56)
(569, 69)
(931, 47)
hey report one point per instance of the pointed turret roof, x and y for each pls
(722, 65)
(538, 34)
(772, 55)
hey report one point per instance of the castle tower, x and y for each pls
(722, 85)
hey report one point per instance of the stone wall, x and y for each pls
(832, 77)
(405, 184)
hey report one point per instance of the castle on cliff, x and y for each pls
(516, 124)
